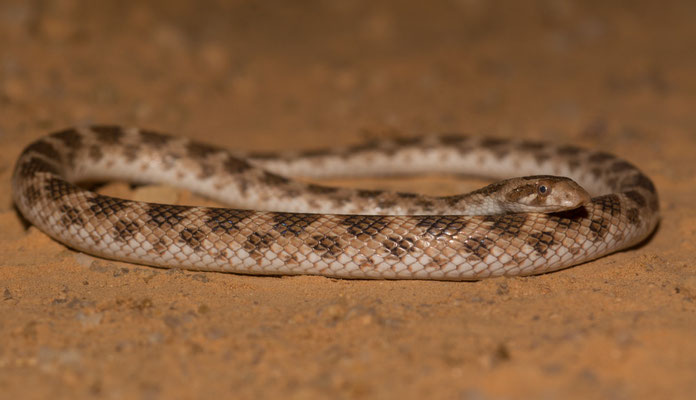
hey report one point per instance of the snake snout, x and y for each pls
(574, 196)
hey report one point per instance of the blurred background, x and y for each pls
(324, 70)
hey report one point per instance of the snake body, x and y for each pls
(281, 226)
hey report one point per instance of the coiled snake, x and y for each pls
(518, 226)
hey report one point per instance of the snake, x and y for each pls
(551, 206)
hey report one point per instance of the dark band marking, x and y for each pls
(131, 151)
(234, 165)
(124, 230)
(609, 204)
(497, 146)
(107, 134)
(519, 192)
(532, 146)
(405, 141)
(637, 198)
(70, 216)
(95, 152)
(398, 246)
(162, 245)
(641, 181)
(366, 194)
(386, 203)
(105, 206)
(364, 226)
(453, 201)
(310, 153)
(165, 216)
(541, 241)
(45, 149)
(568, 220)
(207, 170)
(478, 247)
(506, 226)
(633, 216)
(70, 138)
(485, 191)
(328, 246)
(441, 225)
(293, 224)
(621, 166)
(319, 189)
(225, 220)
(569, 150)
(200, 151)
(256, 243)
(154, 138)
(453, 139)
(32, 194)
(57, 188)
(599, 227)
(493, 142)
(426, 205)
(193, 237)
(274, 179)
(35, 165)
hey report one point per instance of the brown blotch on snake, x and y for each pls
(398, 246)
(610, 204)
(124, 230)
(568, 150)
(369, 193)
(108, 135)
(441, 225)
(36, 165)
(152, 138)
(200, 151)
(58, 188)
(319, 189)
(70, 138)
(362, 226)
(222, 220)
(105, 206)
(637, 198)
(32, 194)
(328, 246)
(71, 216)
(165, 216)
(192, 237)
(256, 243)
(506, 226)
(541, 241)
(292, 224)
(600, 227)
(235, 165)
(45, 149)
(478, 247)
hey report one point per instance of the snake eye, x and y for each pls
(543, 190)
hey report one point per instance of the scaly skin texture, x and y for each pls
(402, 235)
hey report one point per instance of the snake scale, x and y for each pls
(283, 226)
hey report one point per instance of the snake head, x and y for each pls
(541, 193)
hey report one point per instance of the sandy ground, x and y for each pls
(256, 75)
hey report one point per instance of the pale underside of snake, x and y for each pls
(282, 226)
